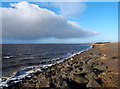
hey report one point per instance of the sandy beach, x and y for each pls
(95, 68)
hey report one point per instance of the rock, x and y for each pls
(58, 82)
(93, 64)
(82, 74)
(69, 68)
(52, 72)
(54, 77)
(45, 83)
(64, 75)
(78, 70)
(78, 79)
(90, 75)
(75, 66)
(37, 85)
(80, 63)
(87, 68)
(102, 68)
(92, 83)
(70, 63)
(87, 59)
(64, 84)
(99, 80)
(96, 71)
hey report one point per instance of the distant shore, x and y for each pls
(83, 70)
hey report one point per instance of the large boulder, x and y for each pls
(93, 83)
(78, 79)
(91, 75)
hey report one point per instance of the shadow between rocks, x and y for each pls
(74, 85)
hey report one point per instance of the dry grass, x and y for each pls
(109, 77)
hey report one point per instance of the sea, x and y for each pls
(16, 57)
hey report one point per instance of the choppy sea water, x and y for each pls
(19, 56)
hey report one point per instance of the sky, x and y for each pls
(59, 22)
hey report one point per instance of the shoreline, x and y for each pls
(35, 69)
(78, 71)
(89, 69)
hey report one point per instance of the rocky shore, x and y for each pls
(80, 71)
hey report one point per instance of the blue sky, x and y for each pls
(99, 17)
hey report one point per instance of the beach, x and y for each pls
(91, 68)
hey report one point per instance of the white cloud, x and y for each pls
(30, 22)
(70, 9)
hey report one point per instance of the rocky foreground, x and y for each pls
(79, 72)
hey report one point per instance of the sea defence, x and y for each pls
(79, 71)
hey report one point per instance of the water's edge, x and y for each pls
(27, 72)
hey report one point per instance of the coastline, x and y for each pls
(80, 71)
(22, 74)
